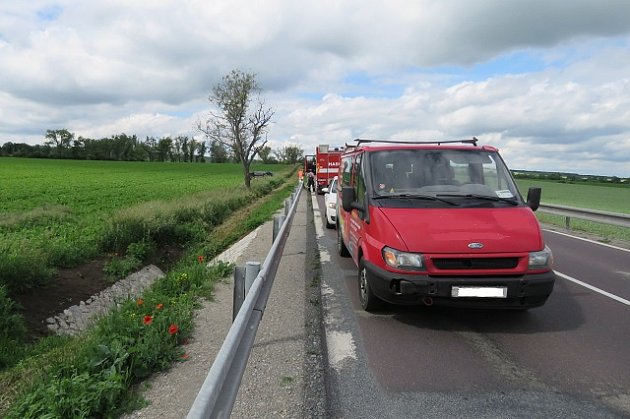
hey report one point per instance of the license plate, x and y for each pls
(480, 292)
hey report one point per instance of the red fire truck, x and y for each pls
(325, 165)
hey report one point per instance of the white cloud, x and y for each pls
(535, 76)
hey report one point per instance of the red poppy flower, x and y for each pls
(148, 320)
(159, 306)
(172, 329)
(200, 258)
(184, 356)
(139, 301)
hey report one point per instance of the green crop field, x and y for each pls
(85, 187)
(581, 195)
(602, 197)
(56, 212)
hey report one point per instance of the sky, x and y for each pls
(545, 81)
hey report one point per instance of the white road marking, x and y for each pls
(592, 288)
(340, 345)
(589, 240)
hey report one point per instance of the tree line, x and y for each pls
(565, 177)
(235, 130)
(63, 144)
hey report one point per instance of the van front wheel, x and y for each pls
(369, 301)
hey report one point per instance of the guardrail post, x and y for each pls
(239, 290)
(287, 206)
(278, 220)
(251, 272)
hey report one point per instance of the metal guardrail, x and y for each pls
(613, 218)
(218, 392)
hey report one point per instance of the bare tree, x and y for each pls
(232, 123)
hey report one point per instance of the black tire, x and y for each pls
(369, 301)
(341, 247)
(329, 225)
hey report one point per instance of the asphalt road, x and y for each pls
(567, 359)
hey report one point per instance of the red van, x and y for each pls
(440, 223)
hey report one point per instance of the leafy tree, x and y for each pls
(60, 138)
(123, 147)
(218, 153)
(201, 152)
(164, 149)
(78, 148)
(293, 154)
(150, 145)
(265, 155)
(290, 154)
(177, 149)
(232, 123)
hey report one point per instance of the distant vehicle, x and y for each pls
(440, 223)
(259, 173)
(325, 165)
(330, 202)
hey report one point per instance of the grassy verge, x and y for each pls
(606, 232)
(91, 375)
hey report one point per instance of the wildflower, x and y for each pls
(184, 357)
(139, 301)
(159, 306)
(200, 258)
(172, 329)
(148, 320)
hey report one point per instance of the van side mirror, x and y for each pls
(347, 198)
(533, 198)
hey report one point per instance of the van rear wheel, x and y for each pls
(369, 301)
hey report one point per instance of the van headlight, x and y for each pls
(332, 205)
(541, 260)
(403, 260)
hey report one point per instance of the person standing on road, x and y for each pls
(310, 181)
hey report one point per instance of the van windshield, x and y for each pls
(463, 177)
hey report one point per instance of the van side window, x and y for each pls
(359, 183)
(346, 171)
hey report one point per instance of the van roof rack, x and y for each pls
(472, 141)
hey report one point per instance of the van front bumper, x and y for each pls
(523, 291)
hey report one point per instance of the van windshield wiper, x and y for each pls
(486, 197)
(415, 196)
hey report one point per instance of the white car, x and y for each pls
(330, 201)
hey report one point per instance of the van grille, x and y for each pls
(475, 263)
